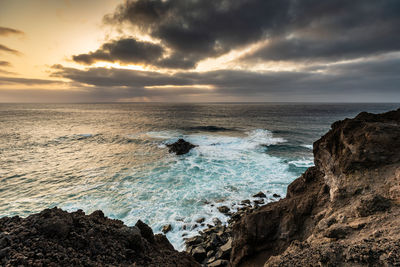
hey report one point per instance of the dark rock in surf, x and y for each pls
(260, 195)
(166, 228)
(209, 128)
(224, 209)
(180, 147)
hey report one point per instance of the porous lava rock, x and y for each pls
(344, 211)
(55, 237)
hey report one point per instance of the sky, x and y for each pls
(199, 51)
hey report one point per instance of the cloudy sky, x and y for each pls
(200, 50)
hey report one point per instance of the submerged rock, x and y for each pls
(180, 147)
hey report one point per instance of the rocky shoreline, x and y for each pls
(344, 211)
(212, 247)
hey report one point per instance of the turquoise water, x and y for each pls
(113, 157)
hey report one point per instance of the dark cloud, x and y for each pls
(26, 81)
(356, 81)
(297, 30)
(9, 50)
(7, 31)
(126, 50)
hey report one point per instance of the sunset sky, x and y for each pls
(199, 50)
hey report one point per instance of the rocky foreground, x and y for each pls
(55, 237)
(345, 211)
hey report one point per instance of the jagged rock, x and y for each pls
(201, 220)
(216, 221)
(180, 147)
(199, 254)
(219, 263)
(260, 195)
(145, 231)
(245, 202)
(344, 211)
(372, 204)
(259, 201)
(223, 209)
(166, 228)
(83, 240)
(224, 251)
(276, 196)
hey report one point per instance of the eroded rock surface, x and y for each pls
(55, 237)
(342, 212)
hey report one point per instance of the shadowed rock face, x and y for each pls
(342, 212)
(57, 237)
(180, 147)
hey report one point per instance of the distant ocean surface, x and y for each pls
(113, 157)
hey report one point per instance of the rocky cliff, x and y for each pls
(343, 212)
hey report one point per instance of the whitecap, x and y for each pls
(307, 146)
(302, 163)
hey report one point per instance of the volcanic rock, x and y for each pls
(223, 209)
(180, 147)
(344, 211)
(166, 228)
(260, 195)
(55, 237)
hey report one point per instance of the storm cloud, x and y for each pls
(124, 50)
(330, 30)
(356, 81)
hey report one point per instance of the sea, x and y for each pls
(113, 157)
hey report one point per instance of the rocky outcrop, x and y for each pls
(55, 237)
(342, 212)
(180, 147)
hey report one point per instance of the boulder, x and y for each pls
(224, 209)
(260, 195)
(199, 254)
(180, 147)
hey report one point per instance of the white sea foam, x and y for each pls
(302, 163)
(177, 190)
(307, 146)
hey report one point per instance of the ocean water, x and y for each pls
(113, 157)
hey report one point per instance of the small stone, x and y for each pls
(166, 228)
(276, 196)
(260, 195)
